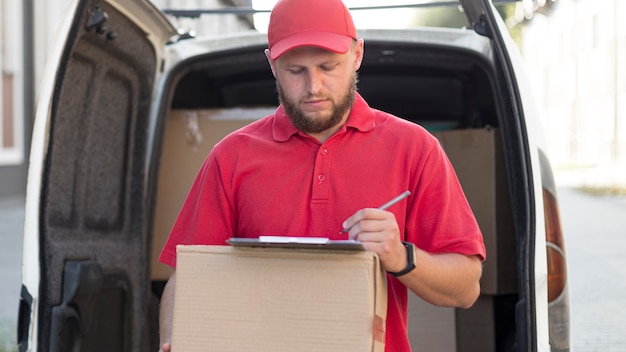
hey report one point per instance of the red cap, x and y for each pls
(326, 24)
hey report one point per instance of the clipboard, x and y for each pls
(296, 243)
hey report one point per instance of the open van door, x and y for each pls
(85, 279)
(538, 327)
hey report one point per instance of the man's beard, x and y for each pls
(309, 124)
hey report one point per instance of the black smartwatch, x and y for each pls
(410, 260)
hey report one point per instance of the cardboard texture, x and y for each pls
(478, 160)
(189, 137)
(431, 328)
(278, 299)
(476, 326)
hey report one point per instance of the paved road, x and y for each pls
(11, 226)
(595, 229)
(596, 241)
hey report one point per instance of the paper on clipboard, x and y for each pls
(296, 242)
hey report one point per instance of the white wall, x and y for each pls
(11, 88)
(577, 60)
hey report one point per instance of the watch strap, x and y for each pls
(410, 260)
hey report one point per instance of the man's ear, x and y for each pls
(271, 62)
(358, 53)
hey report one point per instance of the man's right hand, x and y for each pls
(167, 347)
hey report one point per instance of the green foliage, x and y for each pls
(451, 17)
(440, 17)
(603, 190)
(507, 12)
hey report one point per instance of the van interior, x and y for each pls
(451, 92)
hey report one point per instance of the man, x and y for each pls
(323, 161)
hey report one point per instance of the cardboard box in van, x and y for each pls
(478, 160)
(278, 299)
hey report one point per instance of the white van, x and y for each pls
(128, 111)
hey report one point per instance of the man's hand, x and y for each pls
(167, 347)
(378, 232)
(446, 279)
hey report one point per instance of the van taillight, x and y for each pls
(557, 270)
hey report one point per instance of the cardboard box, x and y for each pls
(278, 299)
(478, 160)
(189, 137)
(476, 330)
(431, 328)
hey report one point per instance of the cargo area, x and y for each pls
(448, 92)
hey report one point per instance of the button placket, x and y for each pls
(321, 185)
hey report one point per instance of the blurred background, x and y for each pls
(575, 51)
(575, 54)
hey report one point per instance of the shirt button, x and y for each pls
(321, 178)
(324, 151)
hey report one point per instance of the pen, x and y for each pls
(386, 205)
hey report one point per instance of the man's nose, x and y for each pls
(315, 81)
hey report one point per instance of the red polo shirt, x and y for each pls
(268, 178)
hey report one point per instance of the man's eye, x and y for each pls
(296, 71)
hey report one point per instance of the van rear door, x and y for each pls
(88, 210)
(521, 141)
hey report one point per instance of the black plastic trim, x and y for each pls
(23, 318)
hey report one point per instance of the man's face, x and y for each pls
(317, 120)
(316, 87)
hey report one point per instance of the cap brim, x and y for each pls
(337, 43)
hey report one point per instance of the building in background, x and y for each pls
(12, 136)
(576, 57)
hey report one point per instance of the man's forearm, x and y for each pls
(447, 280)
(166, 311)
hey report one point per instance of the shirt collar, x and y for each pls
(361, 118)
